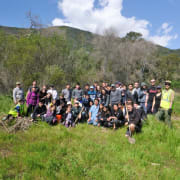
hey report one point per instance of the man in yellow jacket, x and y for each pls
(166, 106)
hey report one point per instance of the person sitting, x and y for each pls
(93, 113)
(133, 120)
(103, 116)
(17, 111)
(76, 111)
(50, 116)
(39, 111)
(32, 100)
(116, 119)
(68, 117)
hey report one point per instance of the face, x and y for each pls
(53, 108)
(77, 86)
(96, 102)
(136, 106)
(115, 107)
(91, 103)
(48, 95)
(158, 90)
(98, 88)
(34, 83)
(153, 82)
(54, 101)
(117, 85)
(87, 97)
(103, 84)
(103, 91)
(129, 107)
(87, 87)
(76, 104)
(69, 108)
(136, 84)
(130, 87)
(40, 104)
(105, 108)
(167, 86)
(68, 86)
(33, 89)
(101, 106)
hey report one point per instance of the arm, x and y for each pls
(154, 101)
(14, 96)
(172, 100)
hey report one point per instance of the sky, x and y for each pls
(157, 20)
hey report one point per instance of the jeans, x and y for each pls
(164, 115)
(142, 104)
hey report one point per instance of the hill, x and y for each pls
(76, 36)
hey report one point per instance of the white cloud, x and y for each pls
(83, 14)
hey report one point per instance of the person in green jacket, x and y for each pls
(17, 111)
(166, 105)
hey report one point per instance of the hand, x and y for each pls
(126, 117)
(89, 120)
(152, 109)
(38, 115)
(146, 105)
(126, 124)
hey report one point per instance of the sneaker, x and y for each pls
(4, 118)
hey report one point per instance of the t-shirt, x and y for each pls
(152, 92)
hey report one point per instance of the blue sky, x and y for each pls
(157, 20)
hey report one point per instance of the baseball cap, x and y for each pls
(17, 83)
(69, 103)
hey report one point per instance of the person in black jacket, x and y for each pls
(39, 111)
(133, 120)
(116, 119)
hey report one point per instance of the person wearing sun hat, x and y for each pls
(166, 105)
(18, 93)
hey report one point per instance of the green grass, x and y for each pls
(87, 152)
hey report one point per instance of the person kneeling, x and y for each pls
(133, 120)
(39, 111)
(16, 112)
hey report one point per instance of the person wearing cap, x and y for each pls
(151, 92)
(142, 96)
(156, 100)
(18, 93)
(115, 95)
(76, 109)
(166, 104)
(92, 93)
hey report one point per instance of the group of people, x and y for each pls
(110, 106)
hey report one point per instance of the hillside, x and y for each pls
(76, 36)
(87, 152)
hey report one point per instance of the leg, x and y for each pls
(168, 118)
(160, 115)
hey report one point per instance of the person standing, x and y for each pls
(77, 93)
(166, 105)
(18, 93)
(150, 96)
(115, 95)
(142, 96)
(67, 93)
(157, 100)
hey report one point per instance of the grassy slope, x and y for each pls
(87, 152)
